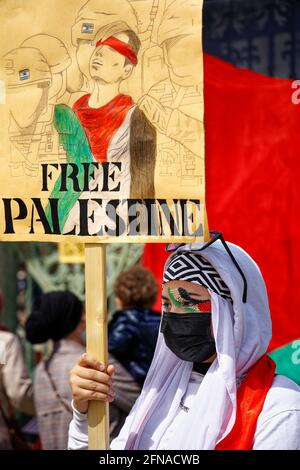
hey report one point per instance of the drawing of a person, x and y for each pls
(48, 147)
(39, 128)
(152, 68)
(58, 59)
(28, 79)
(172, 105)
(36, 78)
(91, 18)
(116, 128)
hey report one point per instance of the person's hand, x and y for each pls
(90, 380)
(157, 114)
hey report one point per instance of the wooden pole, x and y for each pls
(96, 328)
(206, 228)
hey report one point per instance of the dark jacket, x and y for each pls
(132, 335)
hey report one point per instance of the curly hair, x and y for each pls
(136, 287)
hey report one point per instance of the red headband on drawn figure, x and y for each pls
(122, 47)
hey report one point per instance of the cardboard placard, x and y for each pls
(101, 134)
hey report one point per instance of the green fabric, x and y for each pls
(74, 141)
(287, 360)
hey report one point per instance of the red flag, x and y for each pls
(252, 132)
(154, 258)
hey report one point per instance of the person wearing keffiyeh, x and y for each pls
(211, 384)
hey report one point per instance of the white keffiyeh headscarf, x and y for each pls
(242, 332)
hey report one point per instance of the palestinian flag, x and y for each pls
(252, 138)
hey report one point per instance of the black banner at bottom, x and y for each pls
(142, 459)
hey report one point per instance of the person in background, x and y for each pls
(16, 390)
(133, 331)
(59, 316)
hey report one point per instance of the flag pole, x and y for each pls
(96, 328)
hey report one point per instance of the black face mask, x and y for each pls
(188, 335)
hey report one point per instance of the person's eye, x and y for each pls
(190, 302)
(186, 303)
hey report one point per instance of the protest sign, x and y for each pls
(101, 134)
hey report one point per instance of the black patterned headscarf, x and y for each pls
(192, 267)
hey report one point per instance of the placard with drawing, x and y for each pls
(101, 134)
